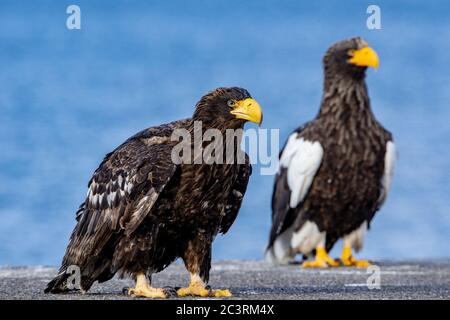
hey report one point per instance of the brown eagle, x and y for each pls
(143, 210)
(336, 170)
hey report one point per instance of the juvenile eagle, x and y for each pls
(143, 211)
(336, 170)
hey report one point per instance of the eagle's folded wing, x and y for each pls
(237, 194)
(122, 191)
(299, 162)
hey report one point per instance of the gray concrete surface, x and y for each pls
(257, 280)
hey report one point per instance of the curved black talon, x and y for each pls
(170, 292)
(125, 290)
(208, 287)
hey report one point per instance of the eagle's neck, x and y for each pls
(214, 125)
(222, 137)
(346, 103)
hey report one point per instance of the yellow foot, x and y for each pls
(323, 260)
(198, 289)
(147, 293)
(143, 289)
(348, 260)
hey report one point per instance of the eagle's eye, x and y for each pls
(231, 103)
(351, 52)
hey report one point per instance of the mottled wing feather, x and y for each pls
(237, 194)
(122, 190)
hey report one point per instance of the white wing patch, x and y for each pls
(302, 159)
(389, 166)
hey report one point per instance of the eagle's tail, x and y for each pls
(58, 284)
(66, 281)
(80, 278)
(278, 255)
(279, 250)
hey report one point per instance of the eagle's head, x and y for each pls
(228, 108)
(349, 58)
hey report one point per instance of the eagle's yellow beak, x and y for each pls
(365, 57)
(248, 109)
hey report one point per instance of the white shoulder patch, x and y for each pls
(302, 159)
(389, 166)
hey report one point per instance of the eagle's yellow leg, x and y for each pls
(323, 260)
(348, 260)
(144, 290)
(198, 288)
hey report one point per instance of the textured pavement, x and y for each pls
(257, 280)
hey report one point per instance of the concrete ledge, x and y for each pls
(257, 280)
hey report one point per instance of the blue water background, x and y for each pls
(69, 97)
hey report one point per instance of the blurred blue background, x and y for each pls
(69, 97)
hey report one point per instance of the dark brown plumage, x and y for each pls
(335, 170)
(143, 211)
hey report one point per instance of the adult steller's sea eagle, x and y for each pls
(336, 170)
(143, 211)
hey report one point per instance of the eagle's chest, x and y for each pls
(353, 165)
(205, 192)
(348, 183)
